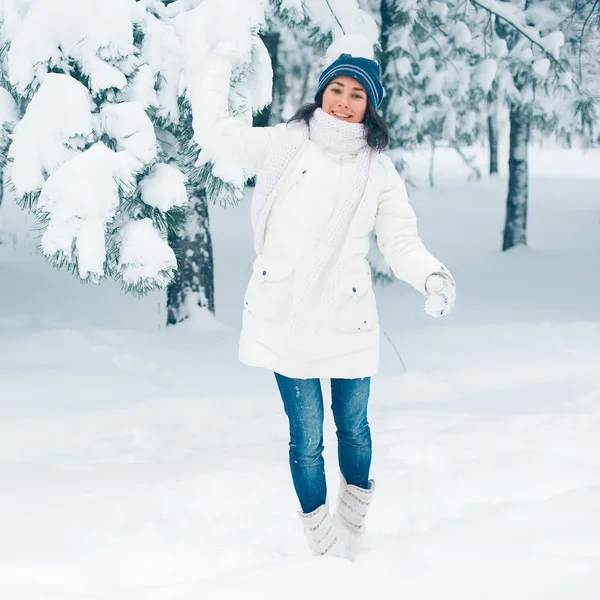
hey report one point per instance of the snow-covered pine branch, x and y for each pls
(513, 15)
(84, 145)
(247, 89)
(449, 66)
(178, 36)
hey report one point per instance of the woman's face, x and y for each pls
(345, 99)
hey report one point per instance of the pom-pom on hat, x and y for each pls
(364, 70)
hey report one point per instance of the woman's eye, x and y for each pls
(357, 96)
(335, 90)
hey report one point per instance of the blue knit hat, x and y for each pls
(364, 70)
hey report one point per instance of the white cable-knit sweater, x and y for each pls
(295, 226)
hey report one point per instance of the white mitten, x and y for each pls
(441, 294)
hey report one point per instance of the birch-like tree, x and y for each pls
(538, 80)
(449, 66)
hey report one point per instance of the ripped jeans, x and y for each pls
(303, 403)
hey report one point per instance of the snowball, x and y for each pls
(131, 128)
(145, 255)
(485, 73)
(164, 187)
(80, 199)
(58, 120)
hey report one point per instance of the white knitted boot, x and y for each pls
(352, 508)
(320, 530)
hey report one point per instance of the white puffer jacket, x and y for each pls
(297, 221)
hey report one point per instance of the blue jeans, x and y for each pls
(303, 403)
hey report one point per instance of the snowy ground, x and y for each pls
(144, 463)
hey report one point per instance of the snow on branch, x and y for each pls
(146, 260)
(164, 187)
(101, 84)
(58, 121)
(79, 200)
(550, 44)
(97, 36)
(338, 18)
(129, 125)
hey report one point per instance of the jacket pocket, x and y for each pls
(357, 310)
(269, 291)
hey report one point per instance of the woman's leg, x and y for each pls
(303, 403)
(349, 400)
(349, 403)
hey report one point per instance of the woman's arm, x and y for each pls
(222, 136)
(397, 234)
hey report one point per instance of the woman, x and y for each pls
(309, 310)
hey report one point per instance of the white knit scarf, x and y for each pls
(315, 285)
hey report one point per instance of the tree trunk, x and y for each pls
(271, 41)
(431, 165)
(194, 280)
(515, 228)
(493, 140)
(387, 13)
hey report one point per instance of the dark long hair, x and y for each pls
(378, 134)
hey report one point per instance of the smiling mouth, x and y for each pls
(340, 115)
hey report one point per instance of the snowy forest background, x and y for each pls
(97, 129)
(139, 460)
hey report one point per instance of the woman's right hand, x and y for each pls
(441, 294)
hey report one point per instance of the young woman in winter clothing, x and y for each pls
(323, 186)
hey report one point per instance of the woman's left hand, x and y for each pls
(441, 294)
